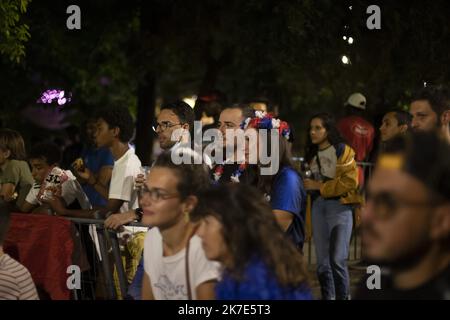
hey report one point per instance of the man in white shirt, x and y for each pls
(114, 130)
(173, 116)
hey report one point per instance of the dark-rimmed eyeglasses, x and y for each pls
(164, 125)
(156, 194)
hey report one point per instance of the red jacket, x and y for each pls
(359, 134)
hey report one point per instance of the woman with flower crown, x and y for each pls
(283, 188)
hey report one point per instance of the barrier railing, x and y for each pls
(108, 242)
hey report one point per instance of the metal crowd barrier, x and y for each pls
(107, 243)
(107, 239)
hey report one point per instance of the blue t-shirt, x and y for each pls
(288, 194)
(94, 159)
(258, 283)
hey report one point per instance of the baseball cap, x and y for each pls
(356, 100)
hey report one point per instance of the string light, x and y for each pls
(51, 95)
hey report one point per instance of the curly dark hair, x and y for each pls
(118, 117)
(333, 135)
(250, 229)
(182, 110)
(192, 178)
(48, 151)
(437, 96)
(402, 117)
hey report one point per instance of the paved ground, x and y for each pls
(356, 272)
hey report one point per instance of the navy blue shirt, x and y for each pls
(288, 194)
(94, 159)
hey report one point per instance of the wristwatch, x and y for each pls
(139, 212)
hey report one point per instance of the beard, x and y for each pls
(405, 259)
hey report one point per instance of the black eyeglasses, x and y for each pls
(386, 205)
(156, 194)
(164, 125)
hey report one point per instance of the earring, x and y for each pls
(186, 216)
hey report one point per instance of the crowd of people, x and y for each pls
(227, 230)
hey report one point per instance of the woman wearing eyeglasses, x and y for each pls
(175, 264)
(334, 191)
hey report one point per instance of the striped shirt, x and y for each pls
(15, 281)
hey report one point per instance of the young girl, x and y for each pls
(175, 264)
(15, 175)
(283, 187)
(334, 191)
(239, 230)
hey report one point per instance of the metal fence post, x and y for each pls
(123, 283)
(105, 262)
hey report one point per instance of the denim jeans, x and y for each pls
(332, 227)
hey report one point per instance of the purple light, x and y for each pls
(51, 95)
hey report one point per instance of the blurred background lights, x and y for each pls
(345, 59)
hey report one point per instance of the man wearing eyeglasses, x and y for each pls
(173, 116)
(406, 222)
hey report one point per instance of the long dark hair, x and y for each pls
(250, 230)
(265, 182)
(333, 135)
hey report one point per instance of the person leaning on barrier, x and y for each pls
(406, 221)
(114, 130)
(173, 116)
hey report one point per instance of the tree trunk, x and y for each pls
(145, 118)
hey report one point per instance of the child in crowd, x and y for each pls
(15, 174)
(51, 181)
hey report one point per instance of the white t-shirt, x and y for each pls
(122, 180)
(71, 190)
(328, 160)
(168, 274)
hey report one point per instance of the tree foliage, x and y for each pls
(13, 32)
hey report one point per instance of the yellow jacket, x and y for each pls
(345, 183)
